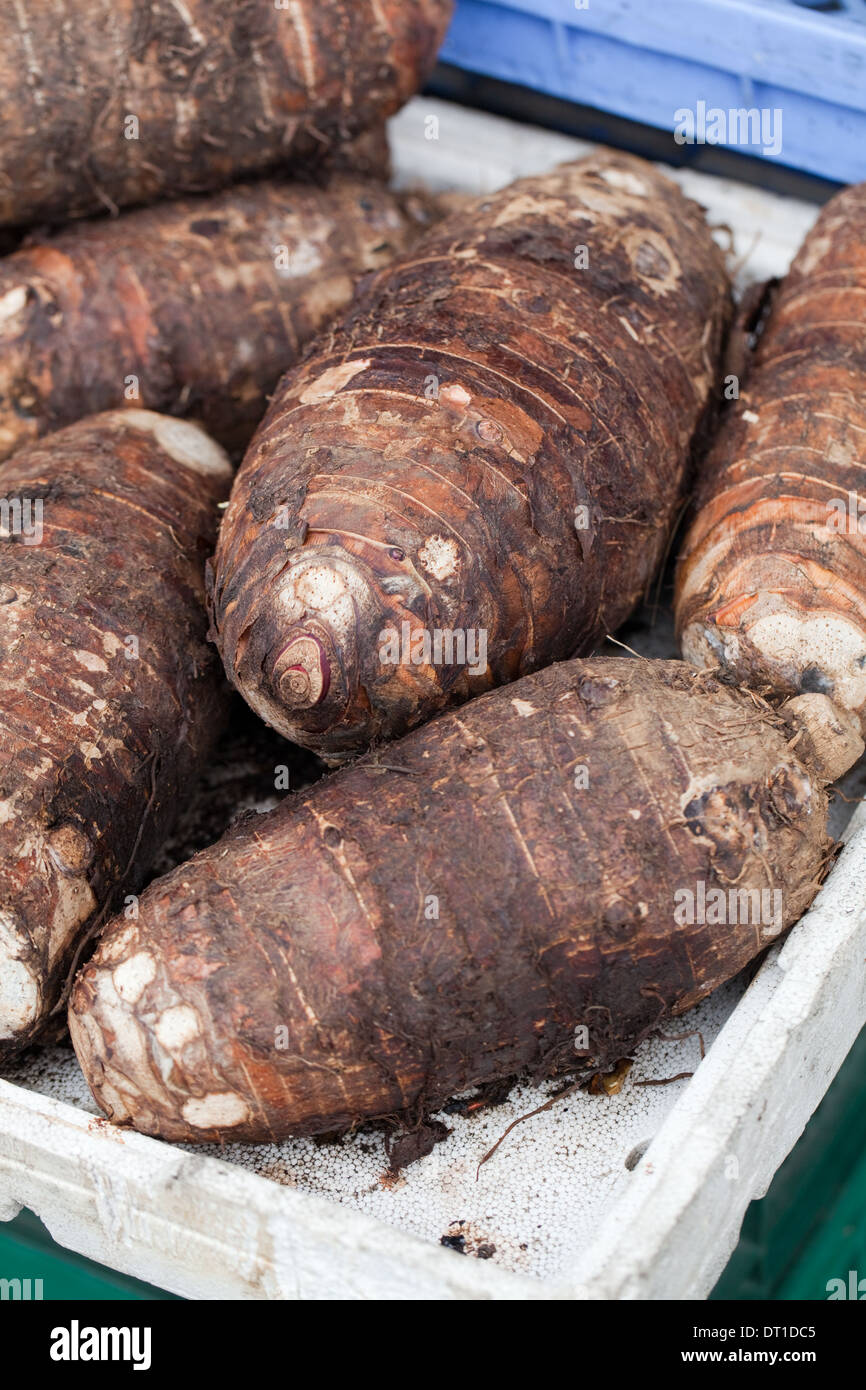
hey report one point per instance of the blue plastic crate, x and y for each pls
(653, 62)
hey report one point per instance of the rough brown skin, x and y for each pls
(424, 464)
(220, 88)
(97, 747)
(367, 156)
(205, 302)
(555, 909)
(771, 588)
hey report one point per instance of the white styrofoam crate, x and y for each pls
(634, 1195)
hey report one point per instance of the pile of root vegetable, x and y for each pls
(392, 474)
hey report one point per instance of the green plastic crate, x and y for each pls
(28, 1252)
(811, 1226)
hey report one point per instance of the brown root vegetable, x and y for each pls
(128, 101)
(110, 697)
(532, 882)
(772, 577)
(476, 472)
(195, 307)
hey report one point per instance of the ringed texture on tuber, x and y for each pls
(771, 586)
(486, 454)
(194, 307)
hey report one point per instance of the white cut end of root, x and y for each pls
(440, 557)
(19, 988)
(112, 1036)
(176, 1027)
(828, 644)
(133, 976)
(182, 440)
(318, 587)
(12, 303)
(215, 1110)
(332, 587)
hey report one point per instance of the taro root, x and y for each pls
(533, 882)
(771, 586)
(486, 454)
(117, 102)
(195, 307)
(110, 696)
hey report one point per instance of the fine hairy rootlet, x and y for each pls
(115, 102)
(195, 307)
(110, 697)
(600, 844)
(487, 454)
(772, 578)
